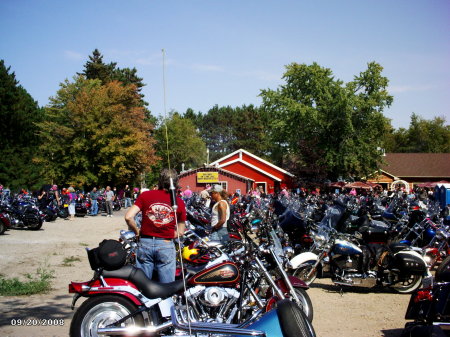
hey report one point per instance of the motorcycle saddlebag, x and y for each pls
(109, 255)
(409, 264)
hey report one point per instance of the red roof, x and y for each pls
(424, 165)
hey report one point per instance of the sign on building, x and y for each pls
(207, 177)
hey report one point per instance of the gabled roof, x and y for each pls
(426, 165)
(241, 160)
(214, 169)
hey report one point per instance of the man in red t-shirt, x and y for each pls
(156, 251)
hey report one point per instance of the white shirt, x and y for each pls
(215, 214)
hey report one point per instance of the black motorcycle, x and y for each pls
(24, 213)
(429, 306)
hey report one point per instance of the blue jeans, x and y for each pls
(158, 255)
(127, 203)
(94, 207)
(220, 235)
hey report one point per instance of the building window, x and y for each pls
(224, 185)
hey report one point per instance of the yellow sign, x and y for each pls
(207, 177)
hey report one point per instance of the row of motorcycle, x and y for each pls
(23, 211)
(257, 283)
(238, 288)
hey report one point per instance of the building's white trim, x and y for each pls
(250, 165)
(240, 151)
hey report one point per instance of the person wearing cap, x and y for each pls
(156, 252)
(220, 214)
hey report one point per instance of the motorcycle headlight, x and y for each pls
(288, 251)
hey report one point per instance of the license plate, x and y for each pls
(66, 205)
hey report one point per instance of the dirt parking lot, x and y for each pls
(355, 312)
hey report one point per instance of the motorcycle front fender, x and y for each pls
(298, 260)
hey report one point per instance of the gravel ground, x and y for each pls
(353, 312)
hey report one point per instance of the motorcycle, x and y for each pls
(5, 222)
(122, 300)
(23, 213)
(429, 306)
(351, 263)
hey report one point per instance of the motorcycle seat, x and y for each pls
(397, 246)
(150, 288)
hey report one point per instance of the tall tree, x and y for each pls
(96, 134)
(321, 123)
(19, 113)
(184, 146)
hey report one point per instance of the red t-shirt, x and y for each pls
(157, 214)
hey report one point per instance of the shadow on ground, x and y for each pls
(20, 308)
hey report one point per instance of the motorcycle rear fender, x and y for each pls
(114, 286)
(416, 256)
(298, 260)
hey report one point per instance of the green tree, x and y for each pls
(19, 113)
(96, 134)
(185, 145)
(326, 128)
(430, 136)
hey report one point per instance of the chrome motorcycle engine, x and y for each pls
(211, 303)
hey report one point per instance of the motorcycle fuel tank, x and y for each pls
(223, 273)
(343, 247)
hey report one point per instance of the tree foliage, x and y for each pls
(324, 127)
(19, 113)
(227, 129)
(431, 136)
(185, 145)
(96, 134)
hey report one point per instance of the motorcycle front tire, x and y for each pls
(35, 226)
(305, 302)
(303, 271)
(293, 321)
(101, 311)
(2, 228)
(441, 274)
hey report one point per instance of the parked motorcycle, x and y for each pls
(429, 307)
(353, 263)
(122, 300)
(23, 213)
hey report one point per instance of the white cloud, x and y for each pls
(73, 55)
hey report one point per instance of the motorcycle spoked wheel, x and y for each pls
(408, 284)
(101, 311)
(34, 226)
(303, 271)
(306, 303)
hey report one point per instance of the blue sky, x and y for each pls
(224, 52)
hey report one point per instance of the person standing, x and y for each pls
(187, 194)
(127, 196)
(156, 252)
(94, 201)
(72, 201)
(220, 214)
(109, 198)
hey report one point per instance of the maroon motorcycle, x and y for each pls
(221, 289)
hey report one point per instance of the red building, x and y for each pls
(198, 179)
(239, 171)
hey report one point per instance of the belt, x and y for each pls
(143, 236)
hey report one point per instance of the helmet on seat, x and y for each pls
(195, 253)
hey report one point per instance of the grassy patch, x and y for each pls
(68, 261)
(83, 244)
(37, 284)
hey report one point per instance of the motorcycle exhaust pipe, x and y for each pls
(133, 330)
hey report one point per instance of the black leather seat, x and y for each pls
(150, 288)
